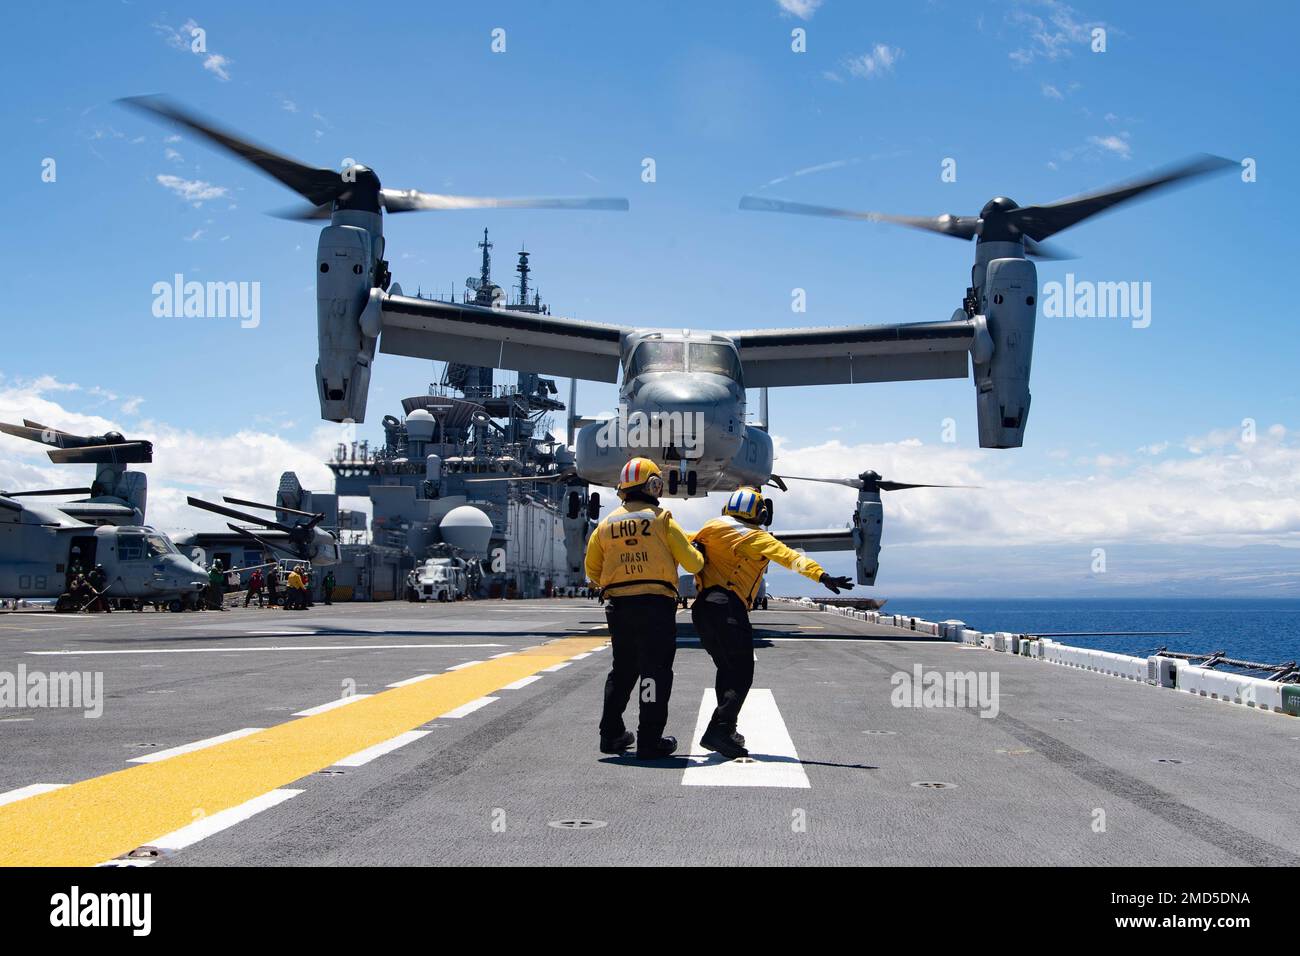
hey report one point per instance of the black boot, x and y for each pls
(616, 745)
(723, 739)
(655, 750)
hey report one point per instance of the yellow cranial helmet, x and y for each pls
(638, 472)
(744, 503)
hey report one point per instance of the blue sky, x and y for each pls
(1134, 437)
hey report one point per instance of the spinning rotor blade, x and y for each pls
(903, 486)
(846, 482)
(240, 515)
(255, 504)
(1044, 251)
(120, 453)
(859, 483)
(959, 227)
(412, 200)
(47, 491)
(1039, 222)
(317, 186)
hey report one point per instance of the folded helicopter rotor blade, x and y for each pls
(47, 491)
(317, 186)
(286, 547)
(258, 504)
(120, 453)
(1040, 222)
(412, 200)
(239, 515)
(57, 432)
(959, 227)
(34, 431)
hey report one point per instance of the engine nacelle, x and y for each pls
(345, 260)
(1010, 296)
(868, 523)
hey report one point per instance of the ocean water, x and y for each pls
(1265, 631)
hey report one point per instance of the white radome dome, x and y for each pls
(467, 528)
(420, 425)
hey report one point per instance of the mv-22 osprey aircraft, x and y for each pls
(701, 376)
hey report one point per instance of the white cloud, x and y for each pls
(1214, 490)
(216, 64)
(803, 9)
(172, 155)
(1052, 93)
(1051, 36)
(878, 61)
(1118, 145)
(185, 38)
(195, 191)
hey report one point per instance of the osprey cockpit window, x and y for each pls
(657, 357)
(715, 359)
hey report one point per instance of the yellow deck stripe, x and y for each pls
(95, 820)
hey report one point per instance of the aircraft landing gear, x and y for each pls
(675, 482)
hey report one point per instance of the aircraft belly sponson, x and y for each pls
(500, 338)
(856, 354)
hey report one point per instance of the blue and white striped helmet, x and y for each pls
(745, 503)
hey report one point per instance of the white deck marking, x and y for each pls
(522, 682)
(221, 820)
(321, 708)
(554, 667)
(457, 667)
(22, 793)
(411, 680)
(197, 745)
(363, 757)
(253, 650)
(775, 761)
(465, 709)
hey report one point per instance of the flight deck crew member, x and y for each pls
(273, 582)
(632, 557)
(736, 553)
(295, 595)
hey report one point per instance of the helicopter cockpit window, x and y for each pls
(716, 359)
(159, 546)
(657, 357)
(130, 547)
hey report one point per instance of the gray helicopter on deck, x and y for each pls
(42, 547)
(118, 495)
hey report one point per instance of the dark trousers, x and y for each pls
(643, 631)
(722, 621)
(254, 592)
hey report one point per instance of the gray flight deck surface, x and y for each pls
(483, 788)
